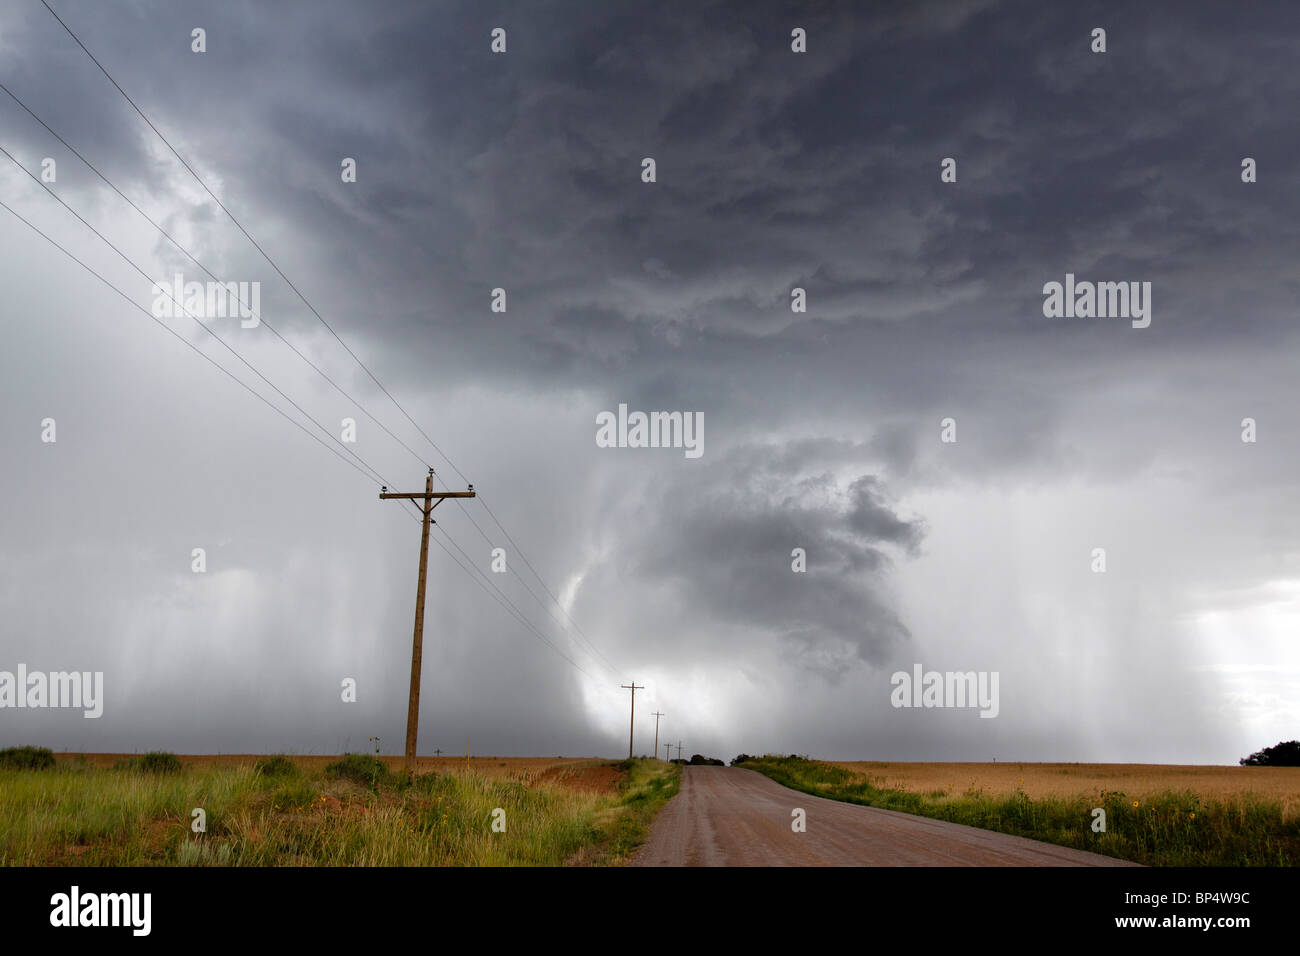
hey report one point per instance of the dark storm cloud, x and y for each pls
(522, 171)
(773, 171)
(728, 549)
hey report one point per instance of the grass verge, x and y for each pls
(643, 791)
(283, 812)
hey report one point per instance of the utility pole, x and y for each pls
(657, 715)
(633, 687)
(668, 752)
(431, 499)
(679, 750)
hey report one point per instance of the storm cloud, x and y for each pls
(776, 171)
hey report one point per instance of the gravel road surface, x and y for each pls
(728, 816)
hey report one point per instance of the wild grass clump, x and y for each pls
(276, 767)
(27, 758)
(295, 796)
(365, 769)
(160, 762)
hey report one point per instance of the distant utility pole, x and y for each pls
(431, 499)
(679, 750)
(668, 751)
(657, 715)
(633, 687)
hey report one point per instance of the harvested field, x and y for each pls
(1039, 780)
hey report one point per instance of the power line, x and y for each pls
(170, 238)
(524, 557)
(204, 355)
(314, 312)
(591, 648)
(471, 569)
(595, 651)
(529, 624)
(417, 645)
(125, 258)
(362, 468)
(631, 725)
(255, 243)
(509, 607)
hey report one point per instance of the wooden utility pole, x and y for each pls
(657, 715)
(431, 499)
(633, 687)
(668, 751)
(679, 750)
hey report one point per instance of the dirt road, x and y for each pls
(727, 816)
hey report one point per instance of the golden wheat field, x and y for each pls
(1072, 779)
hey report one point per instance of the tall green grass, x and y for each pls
(1175, 828)
(278, 814)
(649, 785)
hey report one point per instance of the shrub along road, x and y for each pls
(728, 816)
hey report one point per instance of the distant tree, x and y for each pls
(1282, 755)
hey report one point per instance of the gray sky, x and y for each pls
(775, 170)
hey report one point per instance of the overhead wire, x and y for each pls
(361, 466)
(585, 639)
